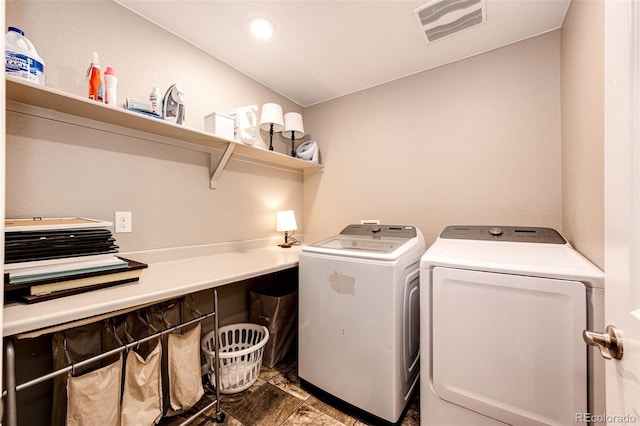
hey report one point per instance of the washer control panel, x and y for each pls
(521, 234)
(379, 231)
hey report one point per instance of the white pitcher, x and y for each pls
(245, 123)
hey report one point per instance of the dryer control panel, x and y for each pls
(368, 230)
(521, 234)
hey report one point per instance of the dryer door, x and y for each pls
(510, 346)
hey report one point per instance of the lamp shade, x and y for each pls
(271, 114)
(286, 221)
(293, 127)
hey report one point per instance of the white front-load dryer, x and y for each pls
(359, 316)
(502, 315)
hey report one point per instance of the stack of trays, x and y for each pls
(51, 258)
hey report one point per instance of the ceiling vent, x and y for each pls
(442, 18)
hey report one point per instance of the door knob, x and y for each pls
(609, 342)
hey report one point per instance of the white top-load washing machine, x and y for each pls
(359, 316)
(502, 315)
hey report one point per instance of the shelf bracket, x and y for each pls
(219, 168)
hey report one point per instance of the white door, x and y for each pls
(622, 206)
(2, 167)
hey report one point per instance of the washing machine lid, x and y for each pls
(380, 242)
(538, 253)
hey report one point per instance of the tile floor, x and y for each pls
(277, 398)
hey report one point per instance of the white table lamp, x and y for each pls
(286, 221)
(293, 128)
(271, 120)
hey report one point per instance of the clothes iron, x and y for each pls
(245, 123)
(173, 105)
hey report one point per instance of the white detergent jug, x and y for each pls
(245, 123)
(21, 58)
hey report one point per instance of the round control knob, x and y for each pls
(495, 231)
(375, 229)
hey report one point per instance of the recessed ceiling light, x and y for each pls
(261, 28)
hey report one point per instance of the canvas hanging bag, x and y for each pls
(94, 398)
(162, 317)
(142, 394)
(73, 345)
(185, 379)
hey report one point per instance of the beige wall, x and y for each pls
(56, 169)
(583, 128)
(473, 142)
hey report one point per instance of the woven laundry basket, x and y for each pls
(240, 355)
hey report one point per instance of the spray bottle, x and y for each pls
(95, 84)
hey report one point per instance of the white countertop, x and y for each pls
(162, 280)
